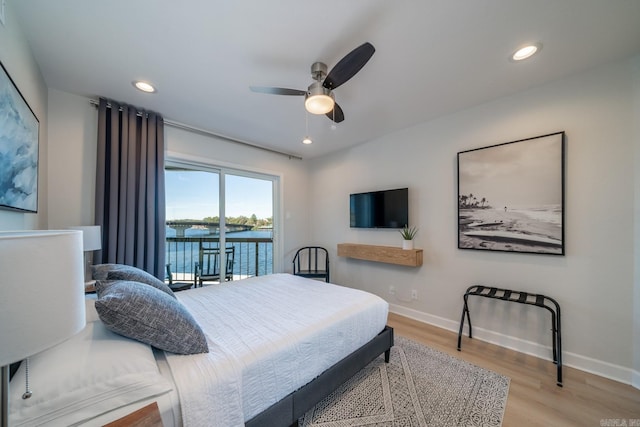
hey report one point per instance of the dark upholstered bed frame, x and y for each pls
(287, 411)
(293, 406)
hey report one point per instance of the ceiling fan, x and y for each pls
(319, 98)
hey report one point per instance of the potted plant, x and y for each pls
(408, 233)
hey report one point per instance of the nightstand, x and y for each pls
(90, 287)
(149, 416)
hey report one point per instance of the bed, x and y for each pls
(277, 345)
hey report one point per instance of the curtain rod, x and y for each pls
(205, 132)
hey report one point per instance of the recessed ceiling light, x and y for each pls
(307, 140)
(144, 86)
(526, 52)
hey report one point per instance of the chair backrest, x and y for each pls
(169, 276)
(311, 259)
(209, 263)
(230, 254)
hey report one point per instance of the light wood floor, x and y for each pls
(534, 399)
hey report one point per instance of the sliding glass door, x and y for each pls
(208, 209)
(249, 203)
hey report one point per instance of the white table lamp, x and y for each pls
(41, 295)
(91, 241)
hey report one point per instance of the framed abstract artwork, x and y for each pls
(19, 130)
(511, 196)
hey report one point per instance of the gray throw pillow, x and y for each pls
(148, 315)
(102, 285)
(133, 274)
(100, 271)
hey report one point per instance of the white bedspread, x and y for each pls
(267, 336)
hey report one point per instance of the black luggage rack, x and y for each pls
(523, 298)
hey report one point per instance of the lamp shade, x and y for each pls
(91, 237)
(41, 291)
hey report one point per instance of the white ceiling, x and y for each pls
(433, 57)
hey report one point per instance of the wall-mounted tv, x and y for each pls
(379, 209)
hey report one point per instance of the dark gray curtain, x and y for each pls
(130, 203)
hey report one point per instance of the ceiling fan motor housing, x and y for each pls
(318, 71)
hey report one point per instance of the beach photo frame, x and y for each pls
(19, 133)
(511, 196)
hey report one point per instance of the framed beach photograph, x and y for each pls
(511, 196)
(19, 129)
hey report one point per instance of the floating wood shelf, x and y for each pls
(387, 254)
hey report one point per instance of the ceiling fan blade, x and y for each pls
(348, 66)
(277, 90)
(337, 115)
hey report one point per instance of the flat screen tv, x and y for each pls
(380, 209)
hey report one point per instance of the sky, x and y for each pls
(194, 195)
(526, 173)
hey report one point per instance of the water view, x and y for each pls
(252, 250)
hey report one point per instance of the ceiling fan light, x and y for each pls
(307, 140)
(319, 104)
(319, 100)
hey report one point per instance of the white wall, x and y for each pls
(636, 295)
(73, 130)
(593, 282)
(17, 59)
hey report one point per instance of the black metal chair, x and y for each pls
(176, 286)
(207, 268)
(312, 262)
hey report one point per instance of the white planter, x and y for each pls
(407, 244)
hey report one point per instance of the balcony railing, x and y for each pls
(253, 255)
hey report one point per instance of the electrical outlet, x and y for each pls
(414, 294)
(392, 290)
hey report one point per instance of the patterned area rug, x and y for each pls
(420, 386)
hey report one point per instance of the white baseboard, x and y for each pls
(583, 363)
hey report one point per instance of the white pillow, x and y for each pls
(90, 374)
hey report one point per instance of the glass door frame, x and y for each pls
(206, 165)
